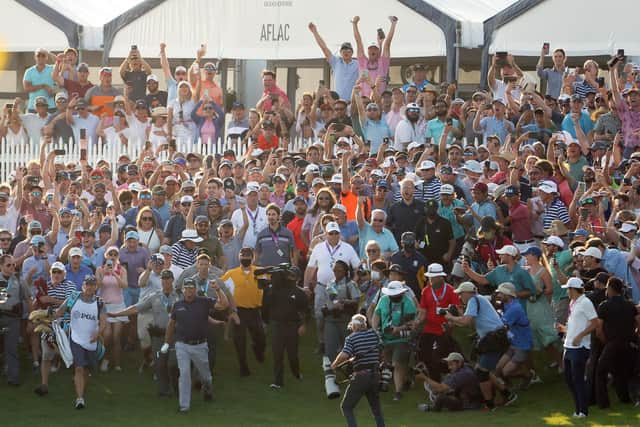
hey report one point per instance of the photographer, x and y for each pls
(492, 341)
(13, 294)
(363, 347)
(436, 340)
(338, 302)
(459, 390)
(284, 306)
(394, 316)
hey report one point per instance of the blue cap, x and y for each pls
(382, 183)
(533, 250)
(132, 235)
(299, 199)
(180, 161)
(37, 240)
(65, 210)
(581, 232)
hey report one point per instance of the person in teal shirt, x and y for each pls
(38, 80)
(447, 206)
(508, 271)
(435, 126)
(375, 231)
(393, 316)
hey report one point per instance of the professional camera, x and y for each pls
(452, 310)
(279, 275)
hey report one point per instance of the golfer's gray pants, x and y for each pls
(199, 355)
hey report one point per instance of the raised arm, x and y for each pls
(164, 62)
(386, 50)
(491, 76)
(320, 41)
(357, 37)
(615, 89)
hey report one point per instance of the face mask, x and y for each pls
(375, 275)
(245, 262)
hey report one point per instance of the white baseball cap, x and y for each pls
(508, 250)
(75, 252)
(251, 186)
(548, 187)
(336, 179)
(472, 166)
(332, 226)
(340, 207)
(57, 266)
(592, 252)
(427, 164)
(466, 287)
(507, 288)
(628, 226)
(573, 282)
(414, 144)
(554, 240)
(447, 189)
(311, 168)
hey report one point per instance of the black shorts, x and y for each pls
(82, 357)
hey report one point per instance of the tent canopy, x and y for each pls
(519, 37)
(27, 25)
(258, 29)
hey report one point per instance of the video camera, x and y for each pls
(452, 310)
(279, 275)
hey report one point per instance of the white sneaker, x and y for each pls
(535, 378)
(55, 367)
(104, 365)
(579, 415)
(117, 369)
(79, 403)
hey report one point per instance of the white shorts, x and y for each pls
(114, 308)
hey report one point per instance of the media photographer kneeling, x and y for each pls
(492, 341)
(284, 306)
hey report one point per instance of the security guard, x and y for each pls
(363, 346)
(284, 306)
(13, 296)
(189, 320)
(159, 305)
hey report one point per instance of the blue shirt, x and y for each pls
(41, 272)
(519, 330)
(615, 262)
(163, 213)
(36, 78)
(585, 124)
(348, 230)
(172, 90)
(448, 213)
(345, 75)
(375, 131)
(434, 130)
(486, 208)
(486, 317)
(78, 277)
(385, 239)
(492, 126)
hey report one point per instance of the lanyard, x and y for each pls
(332, 252)
(254, 218)
(435, 297)
(274, 237)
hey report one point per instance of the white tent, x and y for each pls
(259, 29)
(581, 27)
(27, 25)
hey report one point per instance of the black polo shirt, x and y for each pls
(402, 217)
(433, 238)
(192, 318)
(411, 264)
(618, 316)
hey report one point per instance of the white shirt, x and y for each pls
(257, 222)
(323, 257)
(581, 312)
(33, 124)
(499, 92)
(138, 130)
(84, 322)
(406, 132)
(9, 221)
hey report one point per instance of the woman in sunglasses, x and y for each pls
(150, 234)
(112, 279)
(209, 122)
(325, 199)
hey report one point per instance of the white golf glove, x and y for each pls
(164, 348)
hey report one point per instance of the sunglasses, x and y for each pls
(333, 233)
(588, 201)
(145, 196)
(372, 250)
(324, 198)
(146, 218)
(189, 190)
(96, 177)
(36, 193)
(185, 205)
(112, 253)
(56, 271)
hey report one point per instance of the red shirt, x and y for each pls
(487, 250)
(264, 145)
(520, 223)
(432, 299)
(295, 226)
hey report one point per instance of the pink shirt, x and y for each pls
(110, 291)
(630, 122)
(208, 131)
(520, 223)
(284, 99)
(375, 69)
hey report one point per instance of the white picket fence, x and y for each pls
(13, 155)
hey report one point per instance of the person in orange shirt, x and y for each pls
(268, 139)
(208, 87)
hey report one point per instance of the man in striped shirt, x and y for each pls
(554, 207)
(57, 291)
(185, 251)
(429, 188)
(364, 345)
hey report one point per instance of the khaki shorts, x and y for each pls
(398, 353)
(144, 321)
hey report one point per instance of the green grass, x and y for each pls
(129, 399)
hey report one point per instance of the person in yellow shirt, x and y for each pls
(243, 285)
